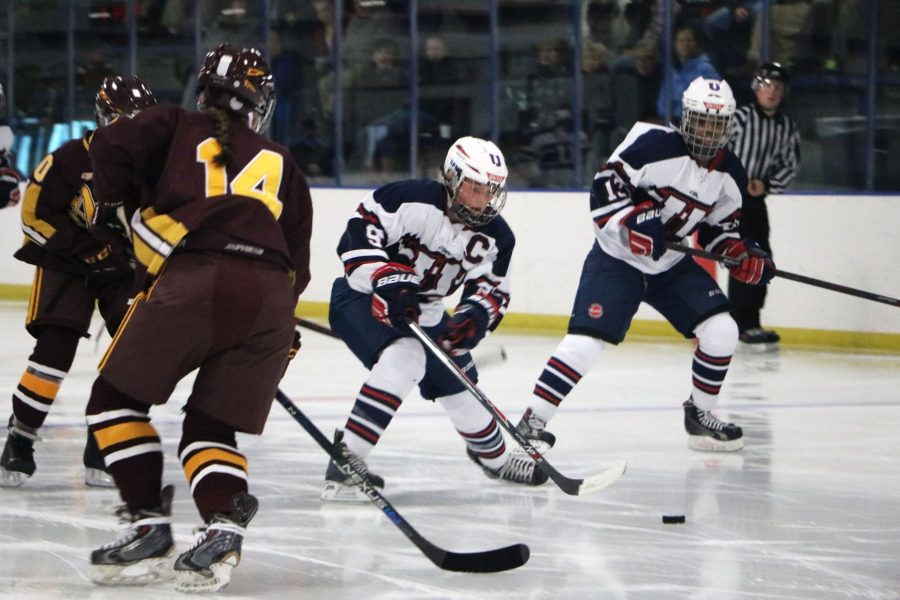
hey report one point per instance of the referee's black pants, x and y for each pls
(747, 300)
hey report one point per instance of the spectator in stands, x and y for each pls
(727, 29)
(690, 62)
(548, 88)
(788, 21)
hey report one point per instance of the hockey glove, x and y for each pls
(395, 295)
(296, 344)
(465, 329)
(9, 186)
(646, 234)
(105, 260)
(756, 266)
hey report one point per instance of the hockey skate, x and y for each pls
(17, 462)
(340, 487)
(207, 566)
(759, 340)
(143, 553)
(95, 473)
(518, 468)
(707, 433)
(532, 427)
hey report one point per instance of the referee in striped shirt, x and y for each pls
(768, 144)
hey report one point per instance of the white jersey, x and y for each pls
(653, 163)
(406, 222)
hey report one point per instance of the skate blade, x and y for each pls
(98, 478)
(704, 443)
(198, 582)
(758, 348)
(338, 492)
(144, 572)
(11, 479)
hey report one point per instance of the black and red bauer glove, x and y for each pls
(646, 234)
(465, 329)
(395, 295)
(756, 266)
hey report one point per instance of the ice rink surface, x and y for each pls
(810, 509)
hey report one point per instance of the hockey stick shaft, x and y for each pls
(488, 561)
(729, 261)
(570, 486)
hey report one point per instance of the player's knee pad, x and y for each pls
(402, 364)
(717, 335)
(580, 352)
(458, 400)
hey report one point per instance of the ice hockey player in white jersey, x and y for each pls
(662, 184)
(409, 245)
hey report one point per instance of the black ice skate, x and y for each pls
(518, 468)
(532, 427)
(340, 487)
(207, 566)
(17, 461)
(707, 433)
(95, 473)
(759, 340)
(143, 554)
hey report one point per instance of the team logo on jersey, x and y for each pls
(595, 311)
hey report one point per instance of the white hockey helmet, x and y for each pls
(480, 162)
(707, 108)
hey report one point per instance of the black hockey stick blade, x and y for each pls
(573, 487)
(488, 561)
(834, 287)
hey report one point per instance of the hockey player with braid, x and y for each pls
(661, 185)
(222, 220)
(409, 245)
(75, 270)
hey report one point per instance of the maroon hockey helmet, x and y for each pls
(239, 80)
(121, 95)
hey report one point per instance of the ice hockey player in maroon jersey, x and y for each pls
(74, 270)
(221, 222)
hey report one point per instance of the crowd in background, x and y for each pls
(567, 80)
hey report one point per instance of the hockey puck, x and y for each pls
(669, 519)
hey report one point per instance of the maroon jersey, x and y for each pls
(162, 163)
(53, 236)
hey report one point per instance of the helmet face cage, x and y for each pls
(239, 80)
(119, 96)
(707, 108)
(475, 168)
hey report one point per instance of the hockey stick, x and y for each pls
(729, 261)
(574, 487)
(488, 561)
(483, 357)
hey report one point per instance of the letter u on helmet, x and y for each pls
(121, 95)
(239, 80)
(482, 163)
(707, 108)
